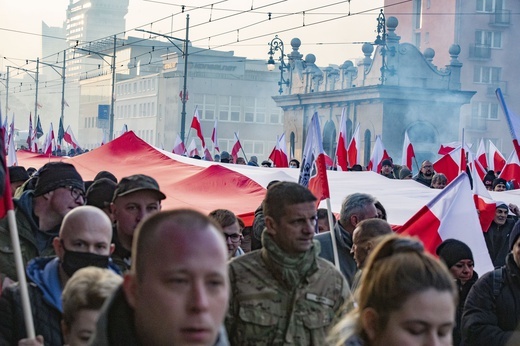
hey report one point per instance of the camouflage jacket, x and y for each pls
(265, 311)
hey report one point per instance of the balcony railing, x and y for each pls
(500, 18)
(479, 51)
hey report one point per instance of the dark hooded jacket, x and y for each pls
(33, 242)
(492, 318)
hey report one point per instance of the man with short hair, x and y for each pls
(39, 213)
(230, 230)
(387, 169)
(84, 240)
(364, 238)
(136, 197)
(284, 293)
(497, 235)
(355, 208)
(425, 174)
(177, 290)
(499, 185)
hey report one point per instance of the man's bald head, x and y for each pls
(181, 223)
(88, 218)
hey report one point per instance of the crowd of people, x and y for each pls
(106, 266)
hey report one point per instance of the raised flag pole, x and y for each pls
(20, 269)
(332, 235)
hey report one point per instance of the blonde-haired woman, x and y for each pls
(406, 297)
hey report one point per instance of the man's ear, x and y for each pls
(354, 220)
(58, 247)
(112, 248)
(48, 195)
(270, 224)
(130, 288)
(369, 322)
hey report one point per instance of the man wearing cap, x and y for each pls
(39, 213)
(136, 197)
(492, 314)
(499, 185)
(225, 157)
(387, 169)
(497, 235)
(100, 194)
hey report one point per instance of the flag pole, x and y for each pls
(416, 165)
(332, 235)
(241, 148)
(17, 252)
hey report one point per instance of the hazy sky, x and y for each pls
(325, 27)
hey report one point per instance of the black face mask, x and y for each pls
(73, 261)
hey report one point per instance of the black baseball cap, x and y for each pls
(137, 182)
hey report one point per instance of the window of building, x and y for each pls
(486, 74)
(417, 15)
(491, 39)
(485, 110)
(485, 5)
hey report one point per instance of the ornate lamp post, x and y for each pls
(275, 45)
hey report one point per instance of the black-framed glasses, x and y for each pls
(76, 193)
(235, 237)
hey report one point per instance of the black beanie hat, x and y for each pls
(515, 233)
(100, 193)
(17, 173)
(387, 162)
(57, 174)
(499, 181)
(451, 251)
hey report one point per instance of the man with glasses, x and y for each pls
(230, 230)
(425, 174)
(136, 198)
(39, 213)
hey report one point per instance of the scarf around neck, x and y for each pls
(290, 270)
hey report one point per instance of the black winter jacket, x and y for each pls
(489, 320)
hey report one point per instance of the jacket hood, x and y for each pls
(43, 271)
(25, 205)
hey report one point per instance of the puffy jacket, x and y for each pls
(492, 318)
(497, 241)
(45, 296)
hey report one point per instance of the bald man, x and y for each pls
(84, 240)
(177, 290)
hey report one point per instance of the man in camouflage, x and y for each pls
(284, 293)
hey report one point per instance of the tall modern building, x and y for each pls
(91, 20)
(487, 36)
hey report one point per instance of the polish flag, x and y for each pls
(68, 137)
(178, 146)
(480, 162)
(214, 137)
(341, 149)
(236, 148)
(30, 133)
(408, 152)
(12, 160)
(192, 149)
(378, 155)
(195, 124)
(449, 164)
(497, 161)
(513, 120)
(279, 153)
(484, 203)
(451, 215)
(48, 146)
(313, 172)
(207, 155)
(353, 149)
(511, 171)
(447, 148)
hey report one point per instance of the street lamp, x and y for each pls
(277, 45)
(185, 54)
(381, 41)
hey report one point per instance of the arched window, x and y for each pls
(368, 145)
(329, 138)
